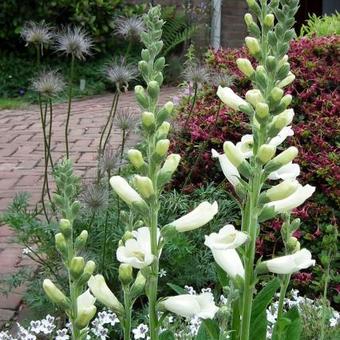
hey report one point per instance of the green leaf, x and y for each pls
(289, 327)
(258, 323)
(167, 335)
(177, 289)
(209, 330)
(222, 276)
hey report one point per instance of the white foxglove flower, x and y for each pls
(282, 135)
(103, 293)
(289, 264)
(245, 146)
(230, 98)
(198, 217)
(125, 191)
(294, 200)
(137, 251)
(288, 171)
(229, 170)
(227, 238)
(86, 309)
(229, 261)
(186, 305)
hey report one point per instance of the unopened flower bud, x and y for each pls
(282, 159)
(280, 191)
(81, 240)
(84, 316)
(283, 60)
(77, 266)
(276, 94)
(90, 267)
(55, 294)
(245, 66)
(127, 236)
(159, 64)
(144, 186)
(153, 89)
(254, 96)
(262, 110)
(141, 97)
(169, 167)
(283, 119)
(253, 45)
(265, 153)
(162, 147)
(136, 158)
(125, 273)
(248, 18)
(148, 119)
(169, 106)
(271, 63)
(292, 244)
(163, 130)
(143, 67)
(145, 54)
(60, 244)
(75, 208)
(65, 227)
(236, 157)
(287, 81)
(287, 99)
(269, 20)
(138, 286)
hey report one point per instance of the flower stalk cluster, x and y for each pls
(253, 162)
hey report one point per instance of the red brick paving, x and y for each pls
(21, 163)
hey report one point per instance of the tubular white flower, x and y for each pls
(229, 170)
(294, 200)
(124, 190)
(186, 305)
(137, 251)
(288, 171)
(85, 302)
(289, 264)
(227, 238)
(282, 135)
(230, 98)
(103, 293)
(229, 261)
(245, 146)
(198, 217)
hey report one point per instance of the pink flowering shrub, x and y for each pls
(317, 130)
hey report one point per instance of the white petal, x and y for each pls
(184, 305)
(85, 300)
(229, 261)
(289, 171)
(282, 135)
(229, 170)
(208, 309)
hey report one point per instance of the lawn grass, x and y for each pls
(13, 103)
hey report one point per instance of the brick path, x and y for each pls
(21, 163)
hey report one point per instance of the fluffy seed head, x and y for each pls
(48, 84)
(126, 119)
(108, 161)
(37, 33)
(74, 41)
(197, 74)
(120, 74)
(129, 28)
(95, 197)
(223, 79)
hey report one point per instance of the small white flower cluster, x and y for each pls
(47, 327)
(104, 318)
(296, 301)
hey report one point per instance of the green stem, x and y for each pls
(235, 324)
(128, 50)
(111, 124)
(128, 312)
(324, 299)
(50, 135)
(192, 105)
(283, 291)
(105, 227)
(70, 88)
(250, 225)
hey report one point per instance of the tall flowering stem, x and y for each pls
(251, 163)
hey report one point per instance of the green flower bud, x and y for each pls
(125, 273)
(165, 112)
(292, 244)
(236, 158)
(127, 236)
(143, 67)
(136, 158)
(65, 227)
(77, 266)
(262, 110)
(276, 94)
(89, 269)
(144, 186)
(55, 294)
(159, 64)
(280, 191)
(287, 81)
(245, 66)
(60, 244)
(265, 153)
(248, 18)
(283, 119)
(162, 147)
(75, 208)
(169, 167)
(283, 158)
(269, 20)
(253, 45)
(148, 119)
(81, 240)
(141, 97)
(153, 89)
(254, 97)
(271, 63)
(145, 55)
(163, 130)
(138, 286)
(286, 100)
